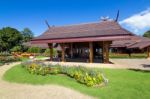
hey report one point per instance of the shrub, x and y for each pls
(35, 67)
(47, 52)
(81, 74)
(5, 53)
(34, 50)
(16, 49)
(8, 59)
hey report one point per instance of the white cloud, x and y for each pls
(138, 22)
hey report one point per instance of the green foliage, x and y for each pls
(9, 37)
(24, 48)
(34, 50)
(27, 34)
(38, 67)
(5, 57)
(8, 59)
(47, 52)
(147, 34)
(16, 49)
(81, 74)
(5, 53)
(86, 76)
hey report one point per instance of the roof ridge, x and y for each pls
(86, 23)
(86, 31)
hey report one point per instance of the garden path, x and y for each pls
(142, 64)
(24, 91)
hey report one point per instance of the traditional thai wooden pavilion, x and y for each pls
(88, 42)
(136, 44)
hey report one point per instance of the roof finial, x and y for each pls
(105, 18)
(47, 24)
(117, 16)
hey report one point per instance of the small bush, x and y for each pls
(5, 53)
(47, 52)
(16, 49)
(34, 50)
(5, 57)
(8, 59)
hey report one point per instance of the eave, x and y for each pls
(84, 39)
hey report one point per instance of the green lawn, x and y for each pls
(137, 55)
(24, 59)
(37, 57)
(40, 57)
(123, 84)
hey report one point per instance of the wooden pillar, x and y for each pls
(71, 50)
(63, 52)
(91, 52)
(148, 52)
(105, 49)
(51, 51)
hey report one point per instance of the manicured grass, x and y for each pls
(123, 84)
(40, 57)
(138, 55)
(24, 59)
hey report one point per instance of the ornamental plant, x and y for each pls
(5, 53)
(8, 59)
(89, 77)
(34, 50)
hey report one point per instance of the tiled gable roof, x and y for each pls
(104, 28)
(134, 42)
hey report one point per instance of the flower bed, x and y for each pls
(6, 57)
(89, 77)
(22, 54)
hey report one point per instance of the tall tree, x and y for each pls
(147, 34)
(9, 37)
(27, 34)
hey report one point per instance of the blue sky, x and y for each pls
(32, 13)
